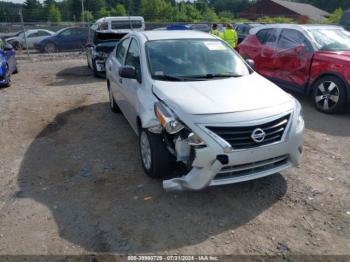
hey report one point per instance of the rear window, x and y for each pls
(132, 24)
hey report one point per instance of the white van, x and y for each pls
(122, 24)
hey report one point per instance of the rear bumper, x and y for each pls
(242, 165)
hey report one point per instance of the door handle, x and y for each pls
(120, 80)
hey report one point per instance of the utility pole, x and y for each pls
(24, 31)
(82, 12)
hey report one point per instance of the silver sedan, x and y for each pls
(192, 99)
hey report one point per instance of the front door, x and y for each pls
(114, 63)
(130, 87)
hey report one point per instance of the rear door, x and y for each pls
(293, 58)
(265, 60)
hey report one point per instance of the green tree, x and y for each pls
(54, 14)
(94, 6)
(104, 12)
(33, 11)
(209, 15)
(193, 13)
(155, 10)
(86, 16)
(119, 10)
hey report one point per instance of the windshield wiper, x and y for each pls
(176, 78)
(210, 76)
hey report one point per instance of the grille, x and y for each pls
(251, 168)
(240, 137)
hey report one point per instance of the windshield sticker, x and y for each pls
(159, 73)
(215, 45)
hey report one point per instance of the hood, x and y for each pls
(339, 56)
(218, 96)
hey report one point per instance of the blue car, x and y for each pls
(71, 38)
(8, 63)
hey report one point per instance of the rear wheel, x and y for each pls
(155, 157)
(329, 95)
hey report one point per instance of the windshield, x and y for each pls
(331, 39)
(193, 59)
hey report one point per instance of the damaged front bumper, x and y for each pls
(213, 165)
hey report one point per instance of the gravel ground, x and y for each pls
(71, 182)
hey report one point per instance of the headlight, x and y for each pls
(300, 115)
(167, 118)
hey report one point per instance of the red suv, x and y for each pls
(310, 59)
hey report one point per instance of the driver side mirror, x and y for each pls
(251, 63)
(129, 72)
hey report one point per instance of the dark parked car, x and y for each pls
(345, 20)
(71, 38)
(8, 64)
(243, 29)
(199, 27)
(311, 59)
(98, 49)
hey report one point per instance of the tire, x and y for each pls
(94, 69)
(17, 46)
(88, 64)
(8, 77)
(112, 104)
(329, 95)
(16, 70)
(155, 157)
(50, 48)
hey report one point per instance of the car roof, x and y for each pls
(119, 18)
(175, 34)
(293, 26)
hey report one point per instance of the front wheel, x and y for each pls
(329, 95)
(8, 77)
(155, 157)
(50, 48)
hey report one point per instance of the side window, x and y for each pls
(261, 36)
(32, 35)
(121, 49)
(133, 56)
(81, 31)
(239, 29)
(292, 38)
(67, 32)
(42, 33)
(267, 37)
